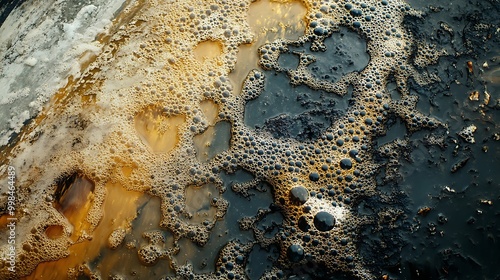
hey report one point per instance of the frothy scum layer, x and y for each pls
(128, 126)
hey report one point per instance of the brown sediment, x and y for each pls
(4, 220)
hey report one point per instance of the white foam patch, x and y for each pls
(318, 205)
(42, 43)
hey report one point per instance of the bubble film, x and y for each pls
(253, 140)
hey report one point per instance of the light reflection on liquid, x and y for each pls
(268, 20)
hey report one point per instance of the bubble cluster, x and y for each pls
(153, 251)
(116, 238)
(132, 118)
(467, 133)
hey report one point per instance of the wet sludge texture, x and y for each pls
(341, 155)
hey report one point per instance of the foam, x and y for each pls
(43, 67)
(128, 124)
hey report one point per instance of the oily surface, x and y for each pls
(273, 139)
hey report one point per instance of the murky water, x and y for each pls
(252, 140)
